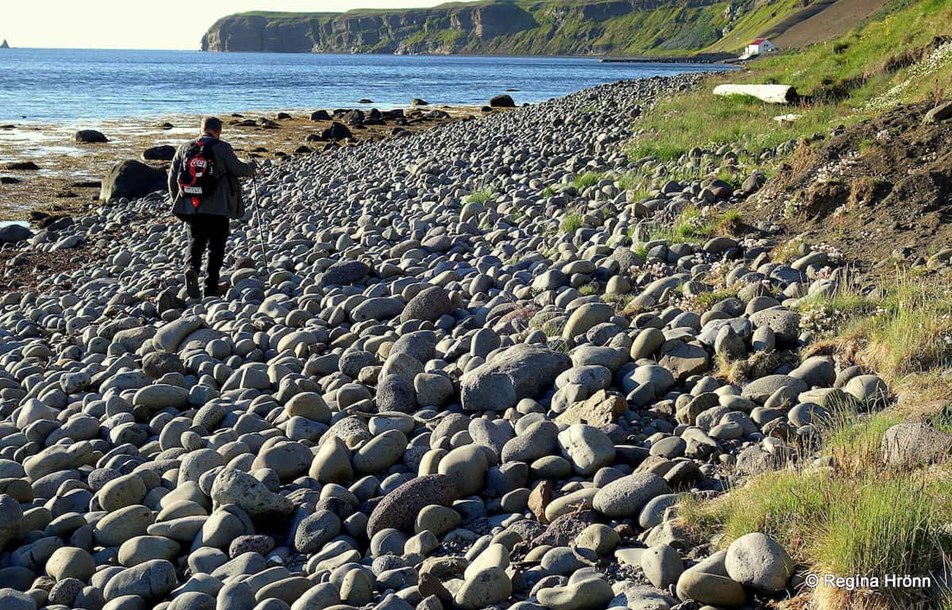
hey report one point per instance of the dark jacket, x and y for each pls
(226, 199)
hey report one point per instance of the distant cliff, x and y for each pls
(489, 27)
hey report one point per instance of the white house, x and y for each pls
(759, 47)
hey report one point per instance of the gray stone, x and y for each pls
(150, 580)
(242, 489)
(592, 593)
(316, 530)
(626, 496)
(587, 447)
(784, 323)
(710, 589)
(910, 445)
(429, 304)
(756, 560)
(761, 389)
(522, 371)
(662, 565)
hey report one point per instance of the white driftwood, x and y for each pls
(772, 94)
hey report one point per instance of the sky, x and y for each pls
(129, 24)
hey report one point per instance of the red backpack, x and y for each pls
(198, 177)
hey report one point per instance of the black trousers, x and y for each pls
(208, 233)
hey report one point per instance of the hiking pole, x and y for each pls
(256, 212)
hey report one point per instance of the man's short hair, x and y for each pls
(211, 124)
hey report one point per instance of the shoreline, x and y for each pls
(69, 173)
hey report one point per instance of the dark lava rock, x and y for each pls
(344, 273)
(159, 153)
(337, 131)
(12, 234)
(22, 166)
(399, 508)
(90, 136)
(131, 179)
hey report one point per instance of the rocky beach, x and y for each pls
(469, 367)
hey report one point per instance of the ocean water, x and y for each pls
(55, 85)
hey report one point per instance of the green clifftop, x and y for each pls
(493, 27)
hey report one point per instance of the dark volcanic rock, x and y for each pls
(337, 131)
(90, 136)
(400, 507)
(159, 153)
(11, 234)
(131, 179)
(22, 166)
(344, 273)
(502, 101)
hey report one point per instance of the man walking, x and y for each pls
(205, 192)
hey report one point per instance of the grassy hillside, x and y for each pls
(883, 62)
(757, 21)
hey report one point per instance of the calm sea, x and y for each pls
(65, 84)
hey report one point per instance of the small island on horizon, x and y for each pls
(4, 44)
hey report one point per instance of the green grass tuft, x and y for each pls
(480, 196)
(873, 525)
(572, 223)
(840, 82)
(588, 179)
(884, 526)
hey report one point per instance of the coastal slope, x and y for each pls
(491, 27)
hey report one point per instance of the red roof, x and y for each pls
(758, 41)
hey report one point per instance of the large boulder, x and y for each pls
(502, 101)
(784, 323)
(148, 580)
(758, 561)
(14, 233)
(131, 179)
(90, 136)
(522, 371)
(337, 131)
(162, 152)
(236, 487)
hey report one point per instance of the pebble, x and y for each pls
(662, 565)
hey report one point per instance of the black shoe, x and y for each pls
(191, 284)
(214, 290)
